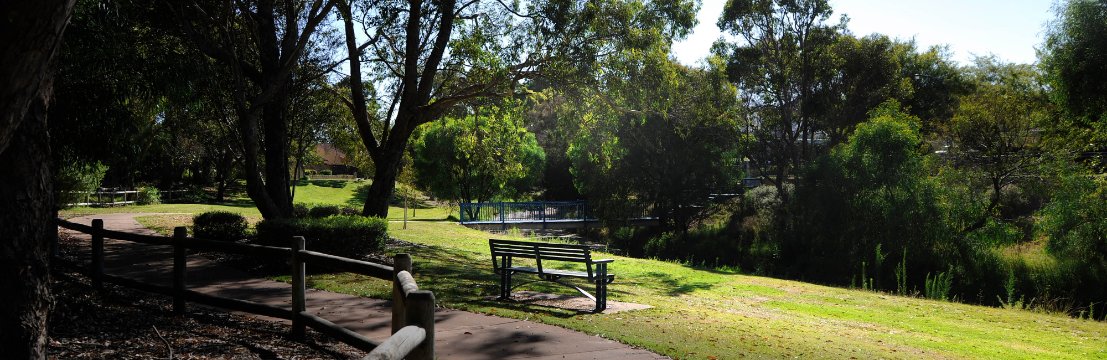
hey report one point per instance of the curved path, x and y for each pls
(458, 334)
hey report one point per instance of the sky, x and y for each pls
(1010, 30)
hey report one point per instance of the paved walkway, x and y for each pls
(458, 334)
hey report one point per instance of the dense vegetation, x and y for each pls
(881, 165)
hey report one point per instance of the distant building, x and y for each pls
(333, 160)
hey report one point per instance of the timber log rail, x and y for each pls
(412, 309)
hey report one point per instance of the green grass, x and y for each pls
(702, 313)
(342, 193)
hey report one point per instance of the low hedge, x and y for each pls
(322, 211)
(341, 235)
(219, 225)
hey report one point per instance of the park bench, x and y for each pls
(503, 251)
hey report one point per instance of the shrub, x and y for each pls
(148, 195)
(938, 286)
(73, 178)
(325, 172)
(195, 195)
(219, 225)
(323, 211)
(300, 210)
(342, 235)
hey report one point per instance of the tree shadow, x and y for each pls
(242, 202)
(470, 281)
(358, 200)
(337, 184)
(675, 287)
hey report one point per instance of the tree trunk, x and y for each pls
(276, 154)
(27, 225)
(384, 182)
(30, 34)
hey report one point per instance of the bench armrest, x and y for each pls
(603, 261)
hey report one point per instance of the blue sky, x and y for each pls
(1011, 30)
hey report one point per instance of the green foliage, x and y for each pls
(663, 141)
(1076, 219)
(72, 178)
(1013, 301)
(1074, 58)
(322, 211)
(219, 225)
(148, 195)
(901, 275)
(869, 194)
(478, 157)
(341, 235)
(938, 287)
(300, 210)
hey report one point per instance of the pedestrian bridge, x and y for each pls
(533, 215)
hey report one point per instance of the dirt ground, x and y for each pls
(120, 323)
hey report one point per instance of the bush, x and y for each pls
(219, 225)
(300, 210)
(195, 195)
(325, 172)
(323, 211)
(73, 178)
(148, 195)
(342, 235)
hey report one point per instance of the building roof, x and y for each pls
(330, 154)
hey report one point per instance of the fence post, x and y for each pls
(503, 217)
(400, 262)
(97, 269)
(179, 268)
(543, 205)
(299, 287)
(421, 313)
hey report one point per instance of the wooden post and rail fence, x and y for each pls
(412, 309)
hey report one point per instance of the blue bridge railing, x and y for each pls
(524, 212)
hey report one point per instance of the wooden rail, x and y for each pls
(412, 310)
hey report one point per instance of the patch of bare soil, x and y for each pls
(121, 323)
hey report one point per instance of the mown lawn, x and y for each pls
(328, 192)
(701, 313)
(704, 314)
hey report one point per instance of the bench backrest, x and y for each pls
(540, 251)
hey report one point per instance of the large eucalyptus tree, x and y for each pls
(427, 57)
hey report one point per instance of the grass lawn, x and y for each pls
(704, 314)
(327, 192)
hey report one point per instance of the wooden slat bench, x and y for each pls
(503, 251)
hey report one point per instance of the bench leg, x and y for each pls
(601, 295)
(505, 285)
(601, 288)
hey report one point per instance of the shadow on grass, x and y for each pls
(455, 276)
(358, 200)
(242, 202)
(362, 192)
(674, 287)
(337, 184)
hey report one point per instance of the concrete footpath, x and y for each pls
(458, 334)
